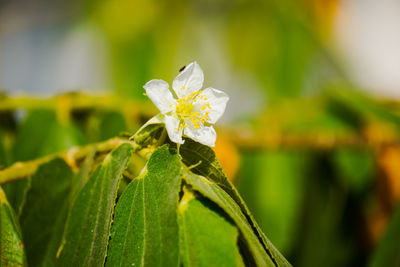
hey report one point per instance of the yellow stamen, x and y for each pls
(184, 110)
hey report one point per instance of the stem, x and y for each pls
(79, 101)
(21, 170)
(258, 141)
(178, 147)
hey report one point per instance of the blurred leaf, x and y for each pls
(145, 229)
(326, 232)
(388, 250)
(48, 191)
(3, 153)
(40, 134)
(61, 137)
(277, 47)
(272, 184)
(11, 245)
(87, 232)
(345, 112)
(358, 103)
(207, 236)
(7, 118)
(112, 124)
(355, 167)
(32, 134)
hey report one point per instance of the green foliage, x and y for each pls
(316, 206)
(219, 189)
(145, 228)
(44, 200)
(3, 153)
(201, 211)
(94, 207)
(355, 168)
(12, 247)
(112, 124)
(263, 192)
(174, 213)
(41, 134)
(87, 230)
(31, 135)
(16, 193)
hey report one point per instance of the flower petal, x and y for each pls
(212, 101)
(158, 91)
(189, 80)
(173, 129)
(205, 135)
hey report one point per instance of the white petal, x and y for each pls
(173, 129)
(217, 101)
(158, 91)
(205, 135)
(189, 80)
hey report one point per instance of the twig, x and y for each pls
(78, 101)
(21, 170)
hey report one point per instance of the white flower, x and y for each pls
(192, 111)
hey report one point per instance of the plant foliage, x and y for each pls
(180, 209)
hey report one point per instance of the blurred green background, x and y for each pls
(310, 135)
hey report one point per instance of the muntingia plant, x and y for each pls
(139, 201)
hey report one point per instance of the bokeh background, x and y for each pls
(311, 133)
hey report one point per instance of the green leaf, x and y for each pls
(216, 194)
(388, 251)
(217, 187)
(61, 137)
(4, 157)
(89, 224)
(12, 249)
(112, 124)
(41, 134)
(358, 103)
(48, 191)
(32, 134)
(326, 210)
(356, 168)
(58, 236)
(16, 194)
(145, 228)
(81, 178)
(207, 235)
(194, 153)
(150, 132)
(273, 185)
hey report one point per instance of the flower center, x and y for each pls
(184, 110)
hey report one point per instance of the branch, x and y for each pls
(74, 155)
(78, 101)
